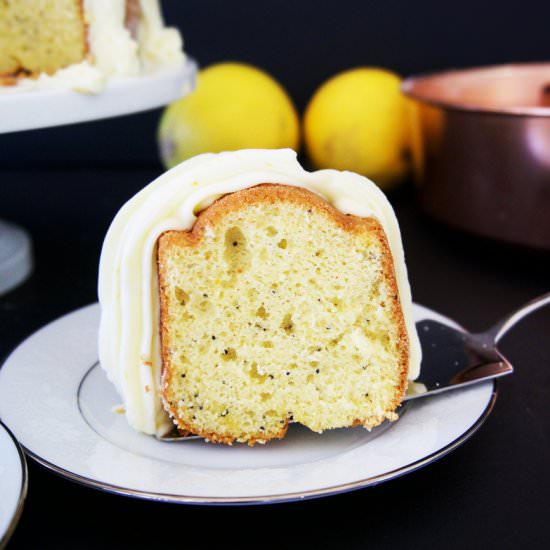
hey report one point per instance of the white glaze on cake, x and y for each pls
(129, 343)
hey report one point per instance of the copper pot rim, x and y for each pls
(410, 84)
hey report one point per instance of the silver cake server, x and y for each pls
(453, 358)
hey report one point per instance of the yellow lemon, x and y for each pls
(357, 120)
(234, 106)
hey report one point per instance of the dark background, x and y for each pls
(65, 184)
(301, 43)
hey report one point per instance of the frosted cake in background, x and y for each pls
(80, 44)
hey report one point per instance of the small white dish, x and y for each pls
(33, 109)
(83, 438)
(13, 483)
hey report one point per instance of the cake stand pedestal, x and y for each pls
(15, 256)
(34, 109)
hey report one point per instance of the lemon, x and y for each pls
(357, 121)
(234, 106)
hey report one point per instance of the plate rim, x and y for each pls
(260, 499)
(279, 498)
(189, 65)
(182, 78)
(6, 536)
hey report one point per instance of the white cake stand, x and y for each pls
(31, 110)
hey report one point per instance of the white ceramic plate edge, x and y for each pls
(273, 499)
(5, 537)
(56, 107)
(284, 496)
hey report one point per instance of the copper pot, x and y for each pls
(481, 150)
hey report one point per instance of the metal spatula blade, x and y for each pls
(453, 358)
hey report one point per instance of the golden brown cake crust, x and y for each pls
(275, 193)
(14, 78)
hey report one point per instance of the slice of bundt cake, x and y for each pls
(240, 292)
(275, 307)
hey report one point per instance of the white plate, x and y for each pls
(82, 438)
(13, 483)
(29, 110)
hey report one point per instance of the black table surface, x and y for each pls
(491, 492)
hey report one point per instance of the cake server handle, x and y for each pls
(498, 330)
